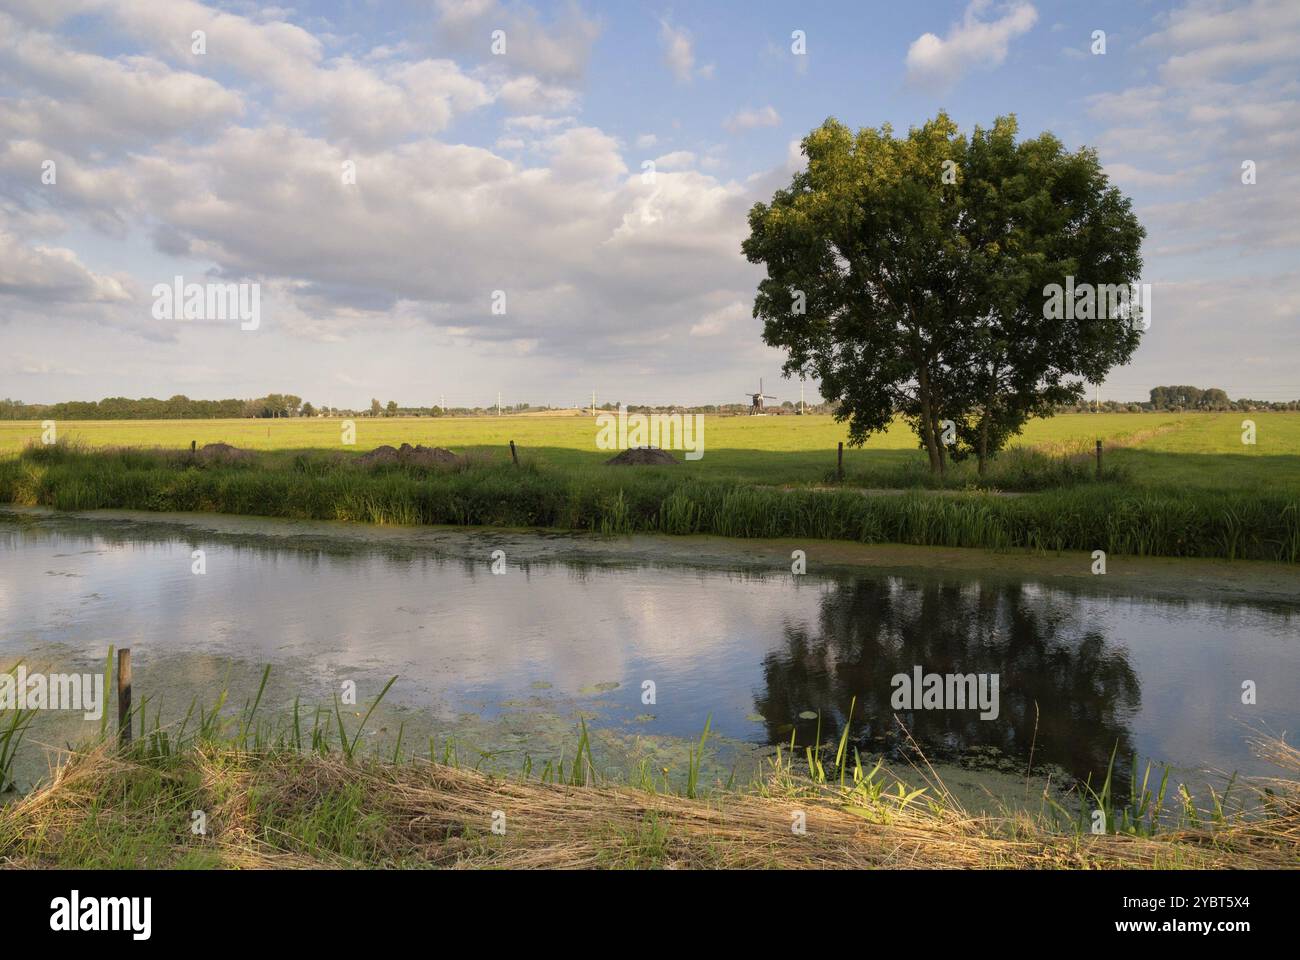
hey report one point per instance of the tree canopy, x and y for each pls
(911, 276)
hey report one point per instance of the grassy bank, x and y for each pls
(286, 809)
(1119, 517)
(230, 787)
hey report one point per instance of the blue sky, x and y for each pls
(522, 173)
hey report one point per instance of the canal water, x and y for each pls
(502, 667)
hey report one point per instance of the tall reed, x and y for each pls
(1120, 518)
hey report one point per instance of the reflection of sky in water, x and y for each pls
(1163, 678)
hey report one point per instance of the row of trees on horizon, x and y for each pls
(1178, 398)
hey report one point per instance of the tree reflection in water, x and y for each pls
(1058, 674)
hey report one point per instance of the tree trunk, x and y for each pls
(985, 423)
(983, 451)
(927, 420)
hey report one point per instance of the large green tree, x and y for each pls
(909, 275)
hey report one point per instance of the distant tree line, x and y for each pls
(1182, 398)
(179, 407)
(275, 405)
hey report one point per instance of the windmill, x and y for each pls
(756, 400)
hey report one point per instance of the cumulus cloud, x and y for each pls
(1219, 251)
(52, 274)
(531, 94)
(48, 13)
(427, 232)
(228, 167)
(170, 90)
(535, 123)
(538, 66)
(722, 320)
(980, 40)
(1192, 132)
(750, 119)
(1126, 175)
(556, 52)
(373, 106)
(677, 160)
(99, 100)
(679, 53)
(275, 52)
(1215, 38)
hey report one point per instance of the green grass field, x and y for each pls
(1173, 485)
(1201, 451)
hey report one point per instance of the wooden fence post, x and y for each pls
(194, 445)
(1098, 459)
(839, 468)
(124, 695)
(514, 454)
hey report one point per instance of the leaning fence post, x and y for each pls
(839, 467)
(194, 444)
(1099, 459)
(124, 695)
(514, 454)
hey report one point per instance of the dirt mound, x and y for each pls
(642, 457)
(407, 454)
(223, 453)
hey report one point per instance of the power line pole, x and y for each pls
(803, 407)
(498, 403)
(593, 403)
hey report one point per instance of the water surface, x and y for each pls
(509, 663)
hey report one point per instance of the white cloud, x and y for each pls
(100, 99)
(1131, 104)
(1194, 129)
(679, 53)
(423, 237)
(974, 42)
(1215, 38)
(750, 119)
(46, 274)
(720, 321)
(48, 13)
(278, 53)
(143, 96)
(535, 123)
(31, 367)
(677, 160)
(1126, 175)
(376, 105)
(528, 94)
(1218, 250)
(555, 52)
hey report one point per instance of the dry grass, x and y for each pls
(306, 810)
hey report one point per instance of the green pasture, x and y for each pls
(1191, 450)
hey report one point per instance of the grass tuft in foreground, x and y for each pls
(277, 795)
(286, 809)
